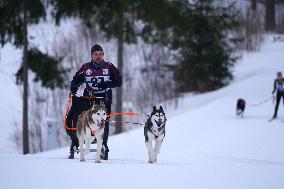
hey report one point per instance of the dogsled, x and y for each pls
(77, 105)
(82, 109)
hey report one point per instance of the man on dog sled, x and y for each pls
(100, 77)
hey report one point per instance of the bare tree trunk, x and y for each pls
(253, 5)
(270, 24)
(25, 76)
(118, 124)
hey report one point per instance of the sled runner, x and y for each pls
(91, 150)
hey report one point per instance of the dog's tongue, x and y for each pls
(100, 125)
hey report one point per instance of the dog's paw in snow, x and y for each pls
(82, 159)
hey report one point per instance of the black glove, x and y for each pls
(73, 90)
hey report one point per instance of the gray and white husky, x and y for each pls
(154, 130)
(91, 121)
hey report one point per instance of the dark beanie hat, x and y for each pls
(96, 47)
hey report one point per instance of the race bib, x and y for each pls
(280, 86)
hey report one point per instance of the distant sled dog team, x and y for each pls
(278, 88)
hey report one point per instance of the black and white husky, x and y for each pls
(91, 121)
(155, 130)
(240, 107)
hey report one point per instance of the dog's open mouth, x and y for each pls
(101, 124)
(159, 122)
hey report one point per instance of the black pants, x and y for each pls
(278, 98)
(80, 104)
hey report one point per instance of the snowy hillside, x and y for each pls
(206, 146)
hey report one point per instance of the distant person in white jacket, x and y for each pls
(278, 86)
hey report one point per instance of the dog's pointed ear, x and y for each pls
(154, 108)
(161, 108)
(93, 106)
(102, 103)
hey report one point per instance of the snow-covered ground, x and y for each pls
(206, 145)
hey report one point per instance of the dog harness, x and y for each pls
(157, 134)
(160, 130)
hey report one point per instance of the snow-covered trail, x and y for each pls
(206, 146)
(195, 172)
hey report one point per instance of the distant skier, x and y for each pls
(279, 88)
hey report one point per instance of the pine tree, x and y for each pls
(270, 22)
(15, 16)
(197, 34)
(205, 55)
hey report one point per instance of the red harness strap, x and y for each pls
(67, 110)
(112, 114)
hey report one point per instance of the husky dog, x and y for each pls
(155, 130)
(91, 121)
(241, 105)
